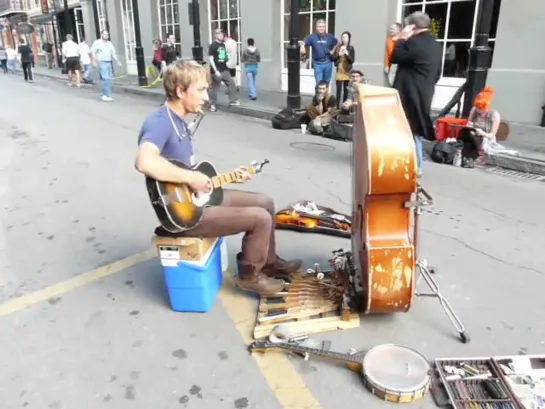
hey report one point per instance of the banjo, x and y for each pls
(394, 373)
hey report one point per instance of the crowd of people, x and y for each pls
(412, 65)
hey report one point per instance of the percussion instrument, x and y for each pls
(396, 374)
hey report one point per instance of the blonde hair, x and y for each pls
(182, 74)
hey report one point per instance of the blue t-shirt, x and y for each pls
(321, 46)
(159, 130)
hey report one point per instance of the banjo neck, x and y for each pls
(353, 361)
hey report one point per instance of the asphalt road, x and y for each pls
(71, 202)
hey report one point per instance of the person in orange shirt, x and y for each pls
(389, 68)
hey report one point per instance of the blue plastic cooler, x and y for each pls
(193, 287)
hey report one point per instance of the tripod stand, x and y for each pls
(426, 272)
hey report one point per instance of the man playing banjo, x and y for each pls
(165, 135)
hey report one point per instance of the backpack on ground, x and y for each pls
(444, 152)
(288, 119)
(339, 131)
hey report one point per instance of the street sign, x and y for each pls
(45, 6)
(26, 28)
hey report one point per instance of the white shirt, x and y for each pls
(231, 49)
(84, 53)
(70, 49)
(103, 50)
(11, 53)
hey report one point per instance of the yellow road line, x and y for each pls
(281, 376)
(80, 280)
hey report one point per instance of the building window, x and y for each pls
(310, 11)
(225, 14)
(169, 22)
(454, 24)
(101, 11)
(127, 20)
(80, 30)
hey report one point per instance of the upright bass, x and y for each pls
(384, 181)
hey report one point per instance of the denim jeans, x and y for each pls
(418, 148)
(251, 73)
(322, 71)
(106, 74)
(87, 69)
(12, 65)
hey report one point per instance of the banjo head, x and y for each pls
(396, 373)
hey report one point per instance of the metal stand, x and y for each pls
(426, 272)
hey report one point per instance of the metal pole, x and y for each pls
(139, 50)
(55, 22)
(67, 19)
(197, 50)
(294, 59)
(480, 55)
(96, 18)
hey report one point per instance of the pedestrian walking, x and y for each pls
(3, 60)
(217, 56)
(344, 56)
(169, 54)
(251, 57)
(389, 68)
(231, 47)
(157, 55)
(47, 48)
(85, 61)
(25, 58)
(70, 54)
(103, 55)
(12, 60)
(418, 57)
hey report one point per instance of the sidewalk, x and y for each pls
(528, 140)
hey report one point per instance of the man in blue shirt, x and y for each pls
(165, 135)
(321, 44)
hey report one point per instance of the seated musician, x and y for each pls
(322, 109)
(164, 134)
(486, 122)
(349, 106)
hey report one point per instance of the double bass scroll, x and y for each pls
(384, 180)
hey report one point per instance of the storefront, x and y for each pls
(454, 23)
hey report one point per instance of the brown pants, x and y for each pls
(242, 212)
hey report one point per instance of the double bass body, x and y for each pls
(384, 179)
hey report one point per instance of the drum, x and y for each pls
(396, 373)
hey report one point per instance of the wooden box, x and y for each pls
(183, 248)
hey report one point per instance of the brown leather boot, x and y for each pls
(282, 267)
(250, 279)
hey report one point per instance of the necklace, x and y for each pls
(180, 136)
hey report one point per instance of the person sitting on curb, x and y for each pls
(484, 123)
(322, 109)
(349, 106)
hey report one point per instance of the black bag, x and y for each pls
(288, 119)
(338, 131)
(444, 152)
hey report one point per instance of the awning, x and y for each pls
(9, 13)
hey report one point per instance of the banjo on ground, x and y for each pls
(392, 372)
(178, 208)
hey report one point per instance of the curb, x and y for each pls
(516, 163)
